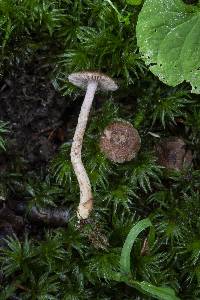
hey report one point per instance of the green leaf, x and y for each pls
(162, 293)
(168, 38)
(126, 250)
(134, 2)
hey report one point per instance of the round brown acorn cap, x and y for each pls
(172, 154)
(120, 141)
(81, 79)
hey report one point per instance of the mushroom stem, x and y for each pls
(86, 198)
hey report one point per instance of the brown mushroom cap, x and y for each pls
(81, 79)
(172, 154)
(120, 141)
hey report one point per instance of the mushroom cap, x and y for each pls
(172, 154)
(81, 79)
(120, 141)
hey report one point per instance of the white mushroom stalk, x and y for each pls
(91, 81)
(86, 198)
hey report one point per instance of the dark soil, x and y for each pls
(39, 117)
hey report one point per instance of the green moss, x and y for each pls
(77, 262)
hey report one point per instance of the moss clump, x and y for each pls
(77, 261)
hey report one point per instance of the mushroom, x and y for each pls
(120, 141)
(172, 154)
(90, 81)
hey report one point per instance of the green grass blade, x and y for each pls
(161, 293)
(126, 250)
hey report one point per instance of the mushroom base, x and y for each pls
(84, 209)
